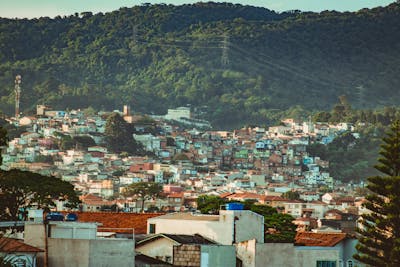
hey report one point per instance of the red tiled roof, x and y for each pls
(137, 221)
(224, 195)
(12, 245)
(90, 197)
(318, 239)
(176, 195)
(272, 198)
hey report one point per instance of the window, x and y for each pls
(152, 228)
(326, 263)
(350, 263)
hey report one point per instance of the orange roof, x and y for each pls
(224, 195)
(246, 195)
(176, 195)
(12, 245)
(273, 198)
(90, 197)
(137, 221)
(318, 239)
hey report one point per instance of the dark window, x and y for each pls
(326, 263)
(152, 229)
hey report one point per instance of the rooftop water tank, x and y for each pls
(71, 217)
(234, 206)
(54, 216)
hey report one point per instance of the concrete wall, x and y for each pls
(308, 256)
(91, 253)
(34, 235)
(248, 225)
(254, 254)
(67, 252)
(246, 252)
(112, 252)
(218, 256)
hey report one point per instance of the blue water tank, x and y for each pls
(234, 206)
(54, 216)
(71, 217)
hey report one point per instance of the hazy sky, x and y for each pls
(52, 8)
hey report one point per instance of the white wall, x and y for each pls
(221, 229)
(162, 247)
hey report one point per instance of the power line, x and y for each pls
(259, 58)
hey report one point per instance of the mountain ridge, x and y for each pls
(241, 64)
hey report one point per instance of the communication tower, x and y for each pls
(17, 90)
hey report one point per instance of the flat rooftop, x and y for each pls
(189, 216)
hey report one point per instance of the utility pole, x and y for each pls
(17, 90)
(225, 51)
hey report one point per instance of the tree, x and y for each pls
(83, 141)
(292, 195)
(143, 191)
(379, 236)
(119, 135)
(3, 141)
(210, 204)
(22, 189)
(278, 226)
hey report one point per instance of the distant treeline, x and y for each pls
(238, 64)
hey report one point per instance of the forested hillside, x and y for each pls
(241, 64)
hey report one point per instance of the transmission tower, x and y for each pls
(360, 94)
(135, 33)
(17, 90)
(225, 51)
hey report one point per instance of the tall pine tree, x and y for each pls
(379, 236)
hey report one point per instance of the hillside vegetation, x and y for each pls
(238, 64)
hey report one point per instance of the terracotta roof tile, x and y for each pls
(12, 245)
(318, 239)
(224, 195)
(272, 198)
(137, 221)
(176, 195)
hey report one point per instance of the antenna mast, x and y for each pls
(17, 90)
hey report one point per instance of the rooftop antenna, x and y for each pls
(17, 90)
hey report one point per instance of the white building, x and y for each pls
(176, 114)
(227, 228)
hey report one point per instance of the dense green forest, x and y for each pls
(240, 64)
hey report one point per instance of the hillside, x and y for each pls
(240, 64)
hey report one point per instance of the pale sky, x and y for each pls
(52, 8)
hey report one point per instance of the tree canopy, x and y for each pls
(379, 236)
(119, 135)
(239, 64)
(3, 141)
(21, 190)
(143, 191)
